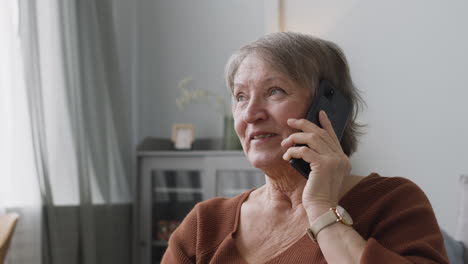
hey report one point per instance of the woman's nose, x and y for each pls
(255, 111)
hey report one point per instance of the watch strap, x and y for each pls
(321, 222)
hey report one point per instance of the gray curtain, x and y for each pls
(98, 228)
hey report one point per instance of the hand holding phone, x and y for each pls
(338, 109)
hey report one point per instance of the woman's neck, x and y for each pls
(284, 187)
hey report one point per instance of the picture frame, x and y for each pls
(183, 136)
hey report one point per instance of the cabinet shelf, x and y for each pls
(177, 190)
(159, 243)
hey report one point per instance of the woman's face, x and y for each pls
(263, 100)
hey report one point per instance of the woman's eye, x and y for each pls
(275, 91)
(241, 98)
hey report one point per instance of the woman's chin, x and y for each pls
(265, 160)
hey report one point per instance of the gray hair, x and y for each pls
(306, 60)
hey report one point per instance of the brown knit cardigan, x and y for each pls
(392, 214)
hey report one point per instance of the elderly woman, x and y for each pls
(331, 217)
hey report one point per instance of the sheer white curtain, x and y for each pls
(19, 188)
(65, 149)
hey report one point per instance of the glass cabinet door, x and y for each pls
(233, 182)
(174, 194)
(171, 183)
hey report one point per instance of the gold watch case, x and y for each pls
(342, 216)
(335, 215)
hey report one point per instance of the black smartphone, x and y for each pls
(338, 109)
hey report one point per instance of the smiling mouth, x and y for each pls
(263, 136)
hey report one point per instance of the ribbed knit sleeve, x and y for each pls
(397, 220)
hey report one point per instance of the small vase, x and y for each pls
(230, 140)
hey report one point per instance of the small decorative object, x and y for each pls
(172, 226)
(190, 95)
(163, 230)
(183, 136)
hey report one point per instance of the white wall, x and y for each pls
(181, 38)
(126, 23)
(410, 59)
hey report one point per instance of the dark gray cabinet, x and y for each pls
(170, 183)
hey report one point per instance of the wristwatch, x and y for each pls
(334, 215)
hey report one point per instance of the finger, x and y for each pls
(301, 152)
(302, 124)
(307, 126)
(311, 139)
(327, 126)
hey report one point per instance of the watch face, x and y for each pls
(346, 218)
